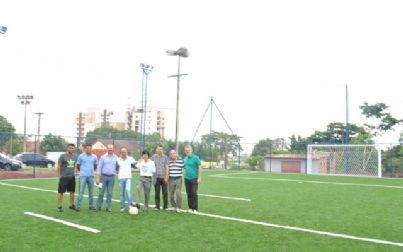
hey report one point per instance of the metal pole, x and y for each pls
(11, 144)
(25, 127)
(177, 105)
(391, 160)
(39, 114)
(270, 156)
(347, 140)
(379, 163)
(211, 129)
(306, 159)
(33, 167)
(142, 113)
(39, 132)
(145, 110)
(239, 156)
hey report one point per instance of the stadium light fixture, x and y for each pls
(182, 52)
(147, 69)
(25, 100)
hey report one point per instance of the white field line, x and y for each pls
(235, 173)
(309, 181)
(46, 190)
(92, 230)
(305, 230)
(267, 224)
(221, 197)
(26, 179)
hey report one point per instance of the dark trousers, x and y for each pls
(191, 191)
(160, 183)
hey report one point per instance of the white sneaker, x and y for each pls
(178, 210)
(122, 210)
(195, 212)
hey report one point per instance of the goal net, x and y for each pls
(353, 160)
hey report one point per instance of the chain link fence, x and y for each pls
(37, 156)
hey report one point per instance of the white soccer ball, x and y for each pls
(133, 210)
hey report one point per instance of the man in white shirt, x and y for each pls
(126, 163)
(147, 170)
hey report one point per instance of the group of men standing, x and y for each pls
(164, 172)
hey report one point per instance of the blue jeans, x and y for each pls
(85, 180)
(125, 186)
(107, 184)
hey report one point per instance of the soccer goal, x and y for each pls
(352, 160)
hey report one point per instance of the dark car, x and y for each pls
(8, 164)
(34, 159)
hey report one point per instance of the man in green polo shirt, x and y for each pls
(192, 178)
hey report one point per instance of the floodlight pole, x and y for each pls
(181, 52)
(25, 100)
(39, 114)
(146, 71)
(177, 105)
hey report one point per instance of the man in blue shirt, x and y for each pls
(107, 169)
(86, 165)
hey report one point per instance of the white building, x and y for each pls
(155, 120)
(96, 117)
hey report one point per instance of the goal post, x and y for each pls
(342, 159)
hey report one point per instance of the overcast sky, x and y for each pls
(274, 68)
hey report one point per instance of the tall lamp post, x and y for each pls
(25, 100)
(39, 114)
(181, 52)
(146, 71)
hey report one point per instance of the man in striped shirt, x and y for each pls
(175, 169)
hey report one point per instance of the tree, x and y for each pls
(392, 160)
(109, 132)
(384, 121)
(268, 146)
(225, 142)
(336, 134)
(53, 143)
(151, 140)
(9, 141)
(6, 126)
(298, 144)
(207, 152)
(255, 162)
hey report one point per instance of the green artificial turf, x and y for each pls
(362, 211)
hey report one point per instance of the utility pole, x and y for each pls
(80, 127)
(105, 117)
(129, 114)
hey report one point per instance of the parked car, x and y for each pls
(7, 163)
(34, 159)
